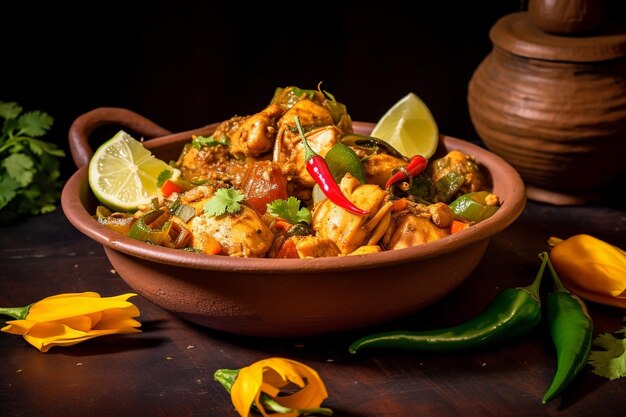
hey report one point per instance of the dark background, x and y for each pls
(186, 64)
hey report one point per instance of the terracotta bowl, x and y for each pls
(284, 297)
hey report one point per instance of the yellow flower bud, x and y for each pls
(591, 268)
(67, 319)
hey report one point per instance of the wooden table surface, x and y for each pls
(167, 370)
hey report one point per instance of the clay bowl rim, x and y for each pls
(76, 194)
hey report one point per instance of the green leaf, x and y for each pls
(611, 362)
(34, 123)
(210, 141)
(9, 110)
(20, 167)
(39, 147)
(224, 200)
(8, 188)
(289, 210)
(166, 174)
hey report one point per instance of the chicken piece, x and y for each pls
(288, 149)
(242, 234)
(314, 247)
(255, 134)
(379, 167)
(461, 164)
(350, 231)
(363, 250)
(408, 230)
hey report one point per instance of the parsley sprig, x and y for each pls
(29, 167)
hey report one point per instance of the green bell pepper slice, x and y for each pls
(472, 207)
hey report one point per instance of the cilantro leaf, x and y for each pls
(34, 123)
(8, 189)
(289, 210)
(611, 362)
(200, 141)
(165, 175)
(224, 200)
(20, 167)
(9, 110)
(29, 167)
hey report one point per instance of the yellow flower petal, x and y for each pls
(70, 305)
(18, 327)
(268, 376)
(67, 319)
(246, 389)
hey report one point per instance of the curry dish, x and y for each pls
(248, 190)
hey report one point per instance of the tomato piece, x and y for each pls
(170, 187)
(264, 183)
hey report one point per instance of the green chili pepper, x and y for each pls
(513, 312)
(572, 330)
(472, 207)
(341, 159)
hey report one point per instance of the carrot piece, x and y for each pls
(457, 226)
(288, 250)
(399, 204)
(211, 246)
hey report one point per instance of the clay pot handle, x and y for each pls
(85, 124)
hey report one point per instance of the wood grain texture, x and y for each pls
(167, 369)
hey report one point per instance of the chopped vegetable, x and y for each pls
(474, 207)
(415, 167)
(342, 159)
(263, 183)
(169, 187)
(29, 167)
(289, 210)
(610, 363)
(224, 200)
(153, 227)
(458, 226)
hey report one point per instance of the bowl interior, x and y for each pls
(79, 205)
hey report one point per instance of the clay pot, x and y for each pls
(565, 16)
(554, 107)
(284, 297)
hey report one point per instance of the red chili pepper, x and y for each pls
(415, 167)
(317, 167)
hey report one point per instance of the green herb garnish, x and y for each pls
(289, 210)
(224, 200)
(165, 175)
(610, 363)
(200, 141)
(29, 168)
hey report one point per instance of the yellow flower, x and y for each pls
(591, 268)
(260, 384)
(67, 319)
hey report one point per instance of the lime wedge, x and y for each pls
(409, 127)
(123, 173)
